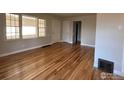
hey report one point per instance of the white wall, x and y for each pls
(67, 31)
(56, 31)
(123, 59)
(88, 29)
(110, 40)
(14, 46)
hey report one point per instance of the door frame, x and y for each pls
(74, 38)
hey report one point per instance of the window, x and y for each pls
(12, 26)
(29, 27)
(42, 27)
(32, 27)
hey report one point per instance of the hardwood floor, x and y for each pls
(60, 61)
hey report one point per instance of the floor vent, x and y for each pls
(105, 65)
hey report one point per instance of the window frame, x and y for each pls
(5, 27)
(22, 27)
(42, 27)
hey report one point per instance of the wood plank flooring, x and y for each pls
(60, 61)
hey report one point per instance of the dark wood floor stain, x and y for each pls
(60, 61)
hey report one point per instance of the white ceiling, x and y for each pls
(72, 14)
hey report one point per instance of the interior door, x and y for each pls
(74, 32)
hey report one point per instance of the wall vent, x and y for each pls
(105, 65)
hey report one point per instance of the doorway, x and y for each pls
(76, 32)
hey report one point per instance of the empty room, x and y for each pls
(61, 46)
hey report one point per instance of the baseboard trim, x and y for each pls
(56, 41)
(93, 46)
(10, 53)
(118, 73)
(70, 42)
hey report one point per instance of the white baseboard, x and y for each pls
(118, 73)
(67, 41)
(93, 46)
(70, 42)
(14, 52)
(56, 41)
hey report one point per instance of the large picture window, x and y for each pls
(24, 27)
(42, 27)
(12, 26)
(29, 27)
